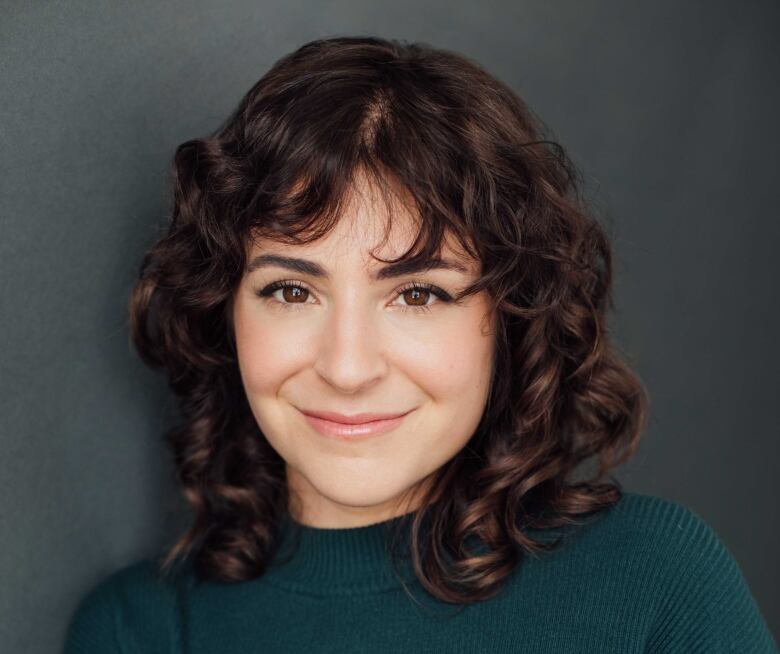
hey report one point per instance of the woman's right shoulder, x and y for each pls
(133, 608)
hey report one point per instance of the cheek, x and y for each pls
(454, 360)
(265, 355)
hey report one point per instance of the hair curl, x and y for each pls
(474, 159)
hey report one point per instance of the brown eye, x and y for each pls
(416, 297)
(293, 294)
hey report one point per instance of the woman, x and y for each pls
(381, 302)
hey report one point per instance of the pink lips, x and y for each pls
(353, 430)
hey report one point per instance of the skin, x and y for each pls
(353, 344)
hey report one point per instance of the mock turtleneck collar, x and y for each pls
(340, 561)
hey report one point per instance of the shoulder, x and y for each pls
(665, 538)
(667, 526)
(641, 533)
(682, 572)
(132, 607)
(639, 525)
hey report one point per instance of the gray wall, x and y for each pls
(670, 109)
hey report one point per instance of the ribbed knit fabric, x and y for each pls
(648, 575)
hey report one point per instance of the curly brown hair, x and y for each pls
(475, 160)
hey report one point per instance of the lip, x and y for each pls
(353, 428)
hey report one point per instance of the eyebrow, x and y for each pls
(398, 269)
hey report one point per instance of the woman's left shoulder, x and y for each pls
(640, 525)
(685, 574)
(662, 535)
(658, 521)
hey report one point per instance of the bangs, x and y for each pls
(317, 148)
(305, 215)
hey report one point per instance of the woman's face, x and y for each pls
(349, 341)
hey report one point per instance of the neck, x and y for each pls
(326, 561)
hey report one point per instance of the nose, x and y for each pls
(350, 355)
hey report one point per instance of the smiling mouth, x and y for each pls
(353, 432)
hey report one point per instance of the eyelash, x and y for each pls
(443, 296)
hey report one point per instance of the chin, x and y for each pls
(361, 490)
(361, 493)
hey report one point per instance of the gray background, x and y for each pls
(669, 108)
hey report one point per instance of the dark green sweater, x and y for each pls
(648, 575)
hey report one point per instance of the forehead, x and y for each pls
(372, 222)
